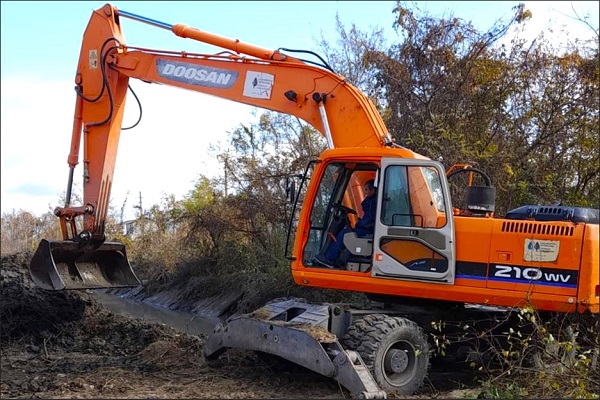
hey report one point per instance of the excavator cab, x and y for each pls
(336, 206)
(67, 264)
(414, 233)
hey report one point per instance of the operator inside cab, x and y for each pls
(337, 254)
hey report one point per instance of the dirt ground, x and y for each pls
(67, 345)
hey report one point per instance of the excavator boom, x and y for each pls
(243, 73)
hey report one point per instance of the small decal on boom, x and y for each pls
(93, 60)
(196, 75)
(258, 85)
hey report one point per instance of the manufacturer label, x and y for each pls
(541, 250)
(258, 85)
(196, 75)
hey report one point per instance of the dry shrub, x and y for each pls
(177, 351)
(528, 354)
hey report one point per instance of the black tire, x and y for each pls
(352, 339)
(396, 351)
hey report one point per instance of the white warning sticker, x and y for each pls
(258, 85)
(93, 59)
(541, 250)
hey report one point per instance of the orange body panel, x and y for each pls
(493, 263)
(406, 250)
(589, 281)
(356, 281)
(510, 248)
(482, 245)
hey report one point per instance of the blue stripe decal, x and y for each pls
(477, 277)
(567, 285)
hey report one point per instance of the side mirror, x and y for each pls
(290, 189)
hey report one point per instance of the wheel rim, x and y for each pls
(398, 362)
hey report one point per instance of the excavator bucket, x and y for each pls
(67, 265)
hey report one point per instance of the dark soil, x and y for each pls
(66, 345)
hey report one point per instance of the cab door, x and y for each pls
(414, 232)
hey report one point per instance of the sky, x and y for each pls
(167, 152)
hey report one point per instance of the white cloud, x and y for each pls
(164, 154)
(35, 141)
(557, 21)
(167, 151)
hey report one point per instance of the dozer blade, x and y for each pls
(296, 331)
(68, 265)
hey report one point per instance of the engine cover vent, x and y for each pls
(555, 213)
(536, 228)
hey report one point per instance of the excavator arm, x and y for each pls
(243, 73)
(240, 72)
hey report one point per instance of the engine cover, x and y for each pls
(555, 213)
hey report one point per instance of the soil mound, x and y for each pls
(67, 345)
(27, 312)
(71, 320)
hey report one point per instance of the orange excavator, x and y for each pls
(422, 249)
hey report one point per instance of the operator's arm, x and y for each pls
(369, 206)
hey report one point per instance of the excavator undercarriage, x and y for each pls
(371, 351)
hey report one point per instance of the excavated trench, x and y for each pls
(191, 324)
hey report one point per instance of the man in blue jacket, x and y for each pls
(363, 227)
